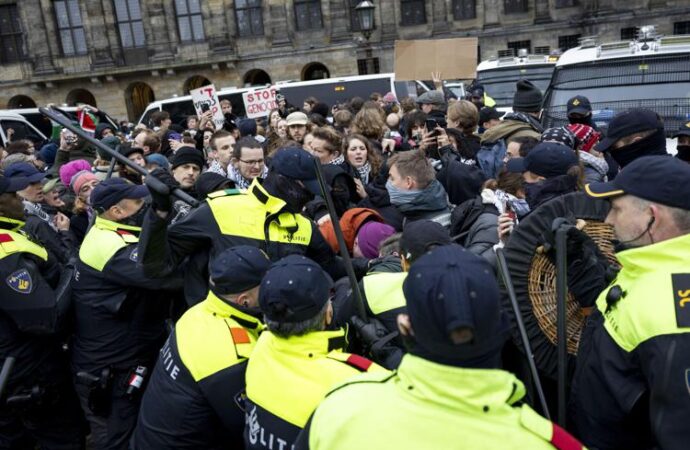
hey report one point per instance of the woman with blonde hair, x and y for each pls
(463, 116)
(369, 123)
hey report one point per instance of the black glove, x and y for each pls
(161, 183)
(589, 272)
(376, 340)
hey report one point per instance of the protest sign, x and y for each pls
(453, 58)
(260, 102)
(205, 99)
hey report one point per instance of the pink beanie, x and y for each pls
(370, 235)
(68, 170)
(80, 178)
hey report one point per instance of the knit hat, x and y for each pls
(111, 141)
(68, 170)
(127, 149)
(160, 160)
(370, 236)
(79, 178)
(586, 136)
(527, 97)
(187, 155)
(247, 127)
(47, 153)
(561, 135)
(390, 98)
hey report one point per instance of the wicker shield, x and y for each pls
(534, 276)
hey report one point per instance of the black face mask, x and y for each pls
(683, 152)
(584, 120)
(288, 190)
(654, 144)
(137, 219)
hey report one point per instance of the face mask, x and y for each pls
(654, 144)
(137, 219)
(399, 196)
(683, 152)
(586, 120)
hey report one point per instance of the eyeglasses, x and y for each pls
(253, 162)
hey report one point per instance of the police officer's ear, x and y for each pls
(404, 263)
(329, 313)
(404, 325)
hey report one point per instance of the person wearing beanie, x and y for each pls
(34, 317)
(185, 167)
(522, 122)
(120, 312)
(369, 237)
(247, 127)
(136, 155)
(68, 170)
(449, 388)
(297, 349)
(202, 365)
(683, 143)
(594, 164)
(48, 228)
(155, 161)
(209, 182)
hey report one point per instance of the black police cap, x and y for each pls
(238, 269)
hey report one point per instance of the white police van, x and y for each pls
(21, 129)
(498, 75)
(651, 71)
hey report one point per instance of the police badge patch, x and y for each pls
(134, 256)
(681, 297)
(20, 281)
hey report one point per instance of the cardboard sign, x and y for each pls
(205, 99)
(454, 58)
(260, 102)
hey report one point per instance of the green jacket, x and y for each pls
(425, 405)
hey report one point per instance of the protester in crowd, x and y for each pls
(297, 126)
(369, 237)
(248, 162)
(54, 203)
(148, 141)
(433, 104)
(297, 349)
(188, 402)
(119, 315)
(414, 190)
(520, 147)
(308, 104)
(222, 143)
(327, 147)
(463, 116)
(489, 117)
(342, 121)
(632, 134)
(135, 155)
(579, 111)
(594, 165)
(306, 144)
(32, 328)
(449, 388)
(209, 182)
(14, 159)
(185, 167)
(350, 223)
(363, 159)
(683, 143)
(369, 123)
(523, 121)
(630, 383)
(156, 160)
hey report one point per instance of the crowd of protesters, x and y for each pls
(221, 319)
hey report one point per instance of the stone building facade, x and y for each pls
(122, 54)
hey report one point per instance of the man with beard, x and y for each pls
(186, 167)
(119, 312)
(630, 388)
(267, 215)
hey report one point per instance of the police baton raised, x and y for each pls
(356, 292)
(151, 182)
(7, 367)
(508, 283)
(560, 228)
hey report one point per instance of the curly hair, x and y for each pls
(373, 157)
(369, 123)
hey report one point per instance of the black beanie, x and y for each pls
(527, 97)
(187, 155)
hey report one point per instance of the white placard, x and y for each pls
(260, 102)
(205, 98)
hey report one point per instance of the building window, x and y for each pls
(249, 18)
(190, 23)
(129, 23)
(565, 3)
(681, 27)
(11, 44)
(464, 9)
(569, 41)
(628, 34)
(70, 27)
(412, 12)
(308, 15)
(543, 50)
(368, 66)
(517, 45)
(515, 6)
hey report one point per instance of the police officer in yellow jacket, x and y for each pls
(631, 387)
(120, 315)
(193, 400)
(267, 216)
(39, 405)
(297, 360)
(448, 391)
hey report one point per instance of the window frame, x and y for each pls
(129, 22)
(410, 3)
(563, 39)
(463, 3)
(680, 26)
(519, 7)
(71, 28)
(16, 35)
(516, 46)
(189, 17)
(311, 6)
(250, 9)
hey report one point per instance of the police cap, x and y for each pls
(294, 289)
(13, 184)
(420, 236)
(298, 164)
(109, 192)
(238, 269)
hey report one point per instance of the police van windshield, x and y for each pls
(658, 82)
(499, 84)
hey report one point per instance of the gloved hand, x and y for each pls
(376, 340)
(161, 183)
(589, 271)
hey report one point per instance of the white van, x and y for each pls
(23, 129)
(43, 124)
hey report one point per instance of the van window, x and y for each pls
(237, 103)
(499, 84)
(22, 131)
(657, 82)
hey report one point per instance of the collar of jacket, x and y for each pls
(219, 307)
(109, 225)
(10, 224)
(669, 253)
(455, 387)
(272, 204)
(315, 344)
